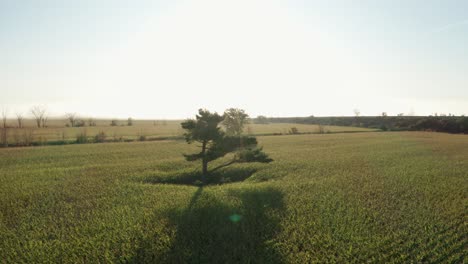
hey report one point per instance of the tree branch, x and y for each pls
(225, 165)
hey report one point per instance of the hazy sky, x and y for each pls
(166, 59)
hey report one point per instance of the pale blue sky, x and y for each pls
(165, 59)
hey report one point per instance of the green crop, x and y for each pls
(363, 197)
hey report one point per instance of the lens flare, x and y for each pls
(235, 218)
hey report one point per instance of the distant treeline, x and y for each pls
(449, 124)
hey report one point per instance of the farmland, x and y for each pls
(379, 197)
(57, 131)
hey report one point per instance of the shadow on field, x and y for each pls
(223, 176)
(237, 227)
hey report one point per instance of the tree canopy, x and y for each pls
(205, 129)
(234, 121)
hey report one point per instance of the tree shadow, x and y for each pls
(222, 176)
(238, 227)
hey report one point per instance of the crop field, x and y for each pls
(380, 197)
(57, 130)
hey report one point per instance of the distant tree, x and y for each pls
(206, 130)
(383, 125)
(130, 122)
(114, 122)
(356, 112)
(40, 115)
(4, 129)
(91, 122)
(234, 121)
(401, 114)
(80, 123)
(20, 119)
(261, 120)
(44, 120)
(72, 117)
(294, 131)
(4, 114)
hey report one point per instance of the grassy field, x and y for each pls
(162, 128)
(377, 197)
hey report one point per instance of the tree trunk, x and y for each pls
(224, 165)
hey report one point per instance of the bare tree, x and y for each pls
(4, 130)
(4, 117)
(72, 117)
(40, 115)
(357, 113)
(20, 119)
(44, 120)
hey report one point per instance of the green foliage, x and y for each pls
(214, 143)
(449, 124)
(205, 128)
(234, 121)
(82, 137)
(261, 120)
(253, 155)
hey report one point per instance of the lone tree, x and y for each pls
(234, 121)
(215, 144)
